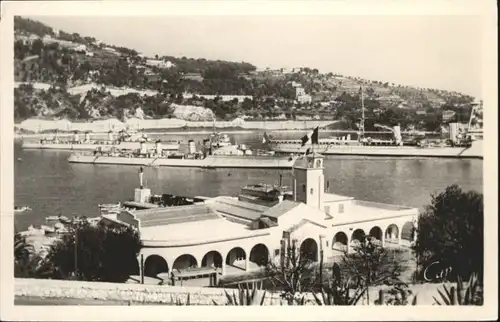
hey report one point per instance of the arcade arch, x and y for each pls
(340, 241)
(185, 261)
(408, 231)
(212, 258)
(236, 257)
(392, 234)
(309, 249)
(358, 236)
(259, 254)
(376, 232)
(155, 265)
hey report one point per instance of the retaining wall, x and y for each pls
(164, 294)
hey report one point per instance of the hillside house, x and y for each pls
(159, 63)
(111, 50)
(193, 76)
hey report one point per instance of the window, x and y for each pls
(327, 209)
(327, 243)
(312, 190)
(341, 208)
(276, 252)
(318, 164)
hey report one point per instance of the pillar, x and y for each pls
(223, 268)
(141, 269)
(247, 263)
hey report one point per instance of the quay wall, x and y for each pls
(103, 126)
(164, 294)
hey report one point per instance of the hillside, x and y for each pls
(65, 75)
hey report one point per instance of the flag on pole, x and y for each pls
(313, 137)
(304, 140)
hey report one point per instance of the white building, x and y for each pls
(238, 235)
(301, 96)
(159, 63)
(81, 47)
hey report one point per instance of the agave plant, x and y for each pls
(339, 294)
(246, 295)
(461, 295)
(398, 295)
(294, 299)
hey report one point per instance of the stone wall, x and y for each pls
(125, 292)
(165, 294)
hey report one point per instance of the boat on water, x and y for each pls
(217, 160)
(50, 220)
(19, 209)
(461, 143)
(225, 156)
(125, 140)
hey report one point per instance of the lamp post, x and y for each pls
(76, 253)
(321, 260)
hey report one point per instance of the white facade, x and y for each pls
(160, 63)
(301, 96)
(224, 98)
(239, 236)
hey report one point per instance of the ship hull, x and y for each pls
(475, 151)
(210, 162)
(92, 147)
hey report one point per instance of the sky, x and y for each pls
(441, 52)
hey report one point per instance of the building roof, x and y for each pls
(280, 209)
(331, 197)
(238, 208)
(302, 223)
(362, 211)
(175, 215)
(268, 222)
(195, 232)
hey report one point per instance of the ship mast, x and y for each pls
(362, 123)
(474, 107)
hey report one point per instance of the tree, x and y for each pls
(294, 275)
(371, 265)
(450, 232)
(102, 253)
(27, 262)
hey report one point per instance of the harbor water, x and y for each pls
(46, 182)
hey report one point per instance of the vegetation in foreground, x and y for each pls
(450, 234)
